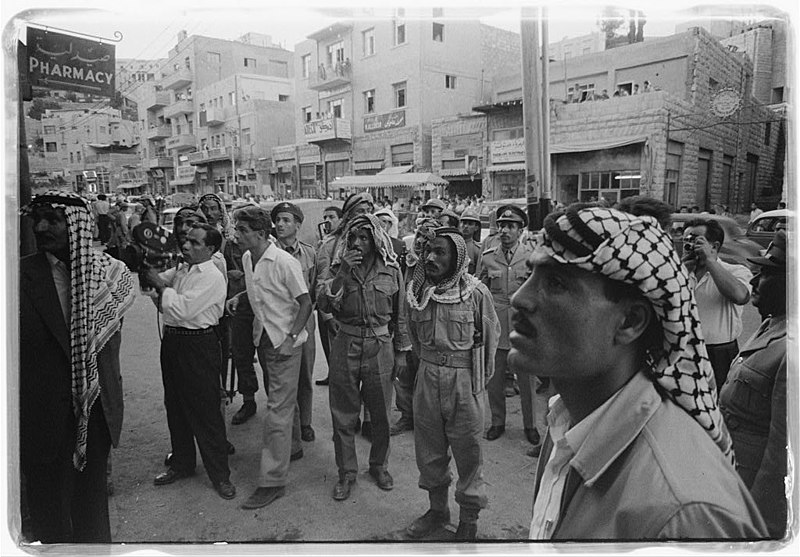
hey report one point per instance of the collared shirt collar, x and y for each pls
(56, 262)
(269, 253)
(291, 248)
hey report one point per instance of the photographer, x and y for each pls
(720, 289)
(192, 298)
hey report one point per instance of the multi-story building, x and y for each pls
(700, 138)
(218, 107)
(369, 90)
(91, 145)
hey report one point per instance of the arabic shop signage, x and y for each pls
(328, 128)
(381, 122)
(64, 62)
(507, 150)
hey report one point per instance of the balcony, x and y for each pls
(178, 79)
(153, 100)
(159, 132)
(182, 142)
(328, 130)
(330, 76)
(159, 162)
(212, 117)
(211, 155)
(179, 108)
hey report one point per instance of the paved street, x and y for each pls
(190, 510)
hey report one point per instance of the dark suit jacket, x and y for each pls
(46, 417)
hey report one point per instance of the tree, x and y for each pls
(611, 19)
(39, 105)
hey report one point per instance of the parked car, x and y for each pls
(762, 230)
(168, 218)
(736, 248)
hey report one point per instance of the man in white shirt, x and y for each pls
(721, 290)
(754, 212)
(278, 295)
(192, 299)
(636, 448)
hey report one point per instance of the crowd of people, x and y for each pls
(647, 418)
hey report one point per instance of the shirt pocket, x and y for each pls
(750, 396)
(422, 321)
(520, 276)
(496, 280)
(384, 293)
(460, 325)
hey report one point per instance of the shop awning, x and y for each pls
(596, 145)
(420, 180)
(510, 167)
(392, 170)
(454, 172)
(182, 181)
(368, 165)
(130, 185)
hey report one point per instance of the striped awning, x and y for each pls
(368, 165)
(454, 172)
(510, 167)
(421, 180)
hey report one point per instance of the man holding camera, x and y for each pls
(192, 299)
(721, 290)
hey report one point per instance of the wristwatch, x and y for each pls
(293, 335)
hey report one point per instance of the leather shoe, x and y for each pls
(323, 382)
(341, 490)
(532, 435)
(296, 456)
(171, 476)
(382, 478)
(366, 430)
(427, 523)
(225, 489)
(467, 532)
(247, 411)
(263, 496)
(401, 425)
(307, 433)
(495, 432)
(535, 451)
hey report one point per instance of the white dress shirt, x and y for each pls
(195, 297)
(62, 284)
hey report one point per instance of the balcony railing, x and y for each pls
(211, 155)
(179, 79)
(178, 108)
(330, 76)
(328, 129)
(212, 117)
(181, 142)
(153, 100)
(159, 132)
(159, 162)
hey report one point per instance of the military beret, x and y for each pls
(286, 207)
(511, 213)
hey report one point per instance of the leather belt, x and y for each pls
(363, 332)
(168, 329)
(451, 358)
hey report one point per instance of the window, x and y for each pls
(305, 65)
(214, 58)
(368, 42)
(399, 32)
(49, 129)
(610, 185)
(674, 157)
(777, 95)
(438, 32)
(102, 129)
(403, 154)
(369, 101)
(78, 156)
(335, 108)
(232, 98)
(71, 157)
(400, 94)
(508, 133)
(450, 82)
(249, 62)
(187, 62)
(283, 98)
(307, 114)
(336, 53)
(767, 132)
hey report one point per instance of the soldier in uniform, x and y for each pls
(470, 226)
(454, 330)
(287, 219)
(503, 270)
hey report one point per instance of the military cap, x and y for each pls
(775, 255)
(286, 207)
(471, 215)
(452, 218)
(511, 213)
(435, 203)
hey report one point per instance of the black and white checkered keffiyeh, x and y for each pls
(102, 290)
(636, 251)
(383, 244)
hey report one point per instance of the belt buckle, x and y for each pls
(442, 359)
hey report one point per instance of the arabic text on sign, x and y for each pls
(385, 121)
(507, 150)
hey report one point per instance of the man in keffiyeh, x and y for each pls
(451, 316)
(72, 300)
(636, 446)
(363, 290)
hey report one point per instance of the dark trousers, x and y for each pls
(242, 352)
(721, 356)
(190, 372)
(404, 387)
(324, 337)
(104, 227)
(64, 505)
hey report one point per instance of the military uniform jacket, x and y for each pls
(503, 280)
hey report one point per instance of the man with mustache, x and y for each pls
(636, 447)
(192, 299)
(454, 329)
(503, 271)
(363, 289)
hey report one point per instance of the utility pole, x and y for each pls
(538, 206)
(547, 190)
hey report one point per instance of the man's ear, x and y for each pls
(638, 314)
